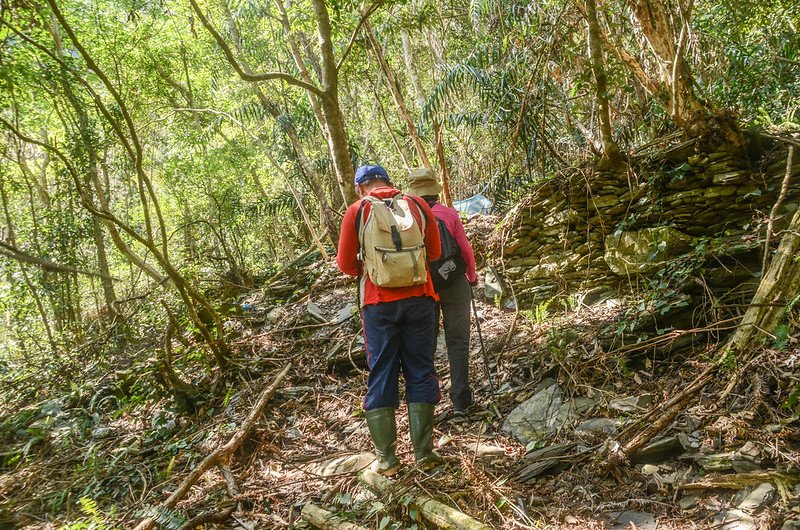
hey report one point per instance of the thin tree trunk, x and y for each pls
(301, 66)
(397, 96)
(445, 173)
(28, 283)
(397, 146)
(314, 180)
(337, 135)
(653, 21)
(408, 57)
(610, 148)
(438, 133)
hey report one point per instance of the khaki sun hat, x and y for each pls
(423, 181)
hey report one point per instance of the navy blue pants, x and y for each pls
(400, 335)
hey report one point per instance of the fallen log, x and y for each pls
(741, 480)
(208, 517)
(326, 520)
(220, 454)
(441, 515)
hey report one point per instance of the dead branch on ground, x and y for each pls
(222, 453)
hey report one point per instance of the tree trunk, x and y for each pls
(610, 148)
(653, 21)
(337, 135)
(102, 264)
(391, 81)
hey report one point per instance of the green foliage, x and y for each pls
(164, 517)
(92, 520)
(753, 49)
(507, 82)
(729, 360)
(792, 400)
(540, 313)
(781, 341)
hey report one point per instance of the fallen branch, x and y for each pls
(675, 334)
(741, 480)
(290, 266)
(208, 517)
(326, 520)
(222, 453)
(439, 514)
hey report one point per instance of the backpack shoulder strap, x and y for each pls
(359, 218)
(360, 222)
(422, 216)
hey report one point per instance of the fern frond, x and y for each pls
(476, 72)
(89, 507)
(472, 119)
(251, 111)
(164, 517)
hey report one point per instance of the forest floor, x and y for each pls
(738, 466)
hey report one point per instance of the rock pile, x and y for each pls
(591, 231)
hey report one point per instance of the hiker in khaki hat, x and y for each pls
(453, 275)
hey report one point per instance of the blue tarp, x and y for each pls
(477, 204)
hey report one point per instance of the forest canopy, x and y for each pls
(160, 158)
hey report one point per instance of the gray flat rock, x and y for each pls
(735, 520)
(640, 521)
(758, 499)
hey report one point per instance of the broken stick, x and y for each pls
(221, 453)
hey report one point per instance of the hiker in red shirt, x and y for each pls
(455, 291)
(399, 324)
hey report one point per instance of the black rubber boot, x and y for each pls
(420, 423)
(383, 429)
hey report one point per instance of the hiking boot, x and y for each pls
(463, 411)
(420, 423)
(383, 430)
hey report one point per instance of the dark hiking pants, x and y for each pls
(400, 335)
(454, 305)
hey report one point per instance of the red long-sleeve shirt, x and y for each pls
(347, 255)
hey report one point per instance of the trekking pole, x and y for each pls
(480, 339)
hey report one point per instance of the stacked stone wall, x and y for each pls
(555, 242)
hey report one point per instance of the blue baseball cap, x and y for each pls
(369, 172)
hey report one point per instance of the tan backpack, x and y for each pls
(392, 242)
